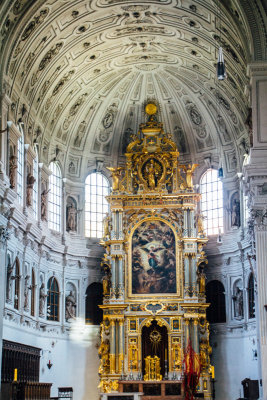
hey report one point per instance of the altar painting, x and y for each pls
(153, 259)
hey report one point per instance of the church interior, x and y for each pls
(133, 199)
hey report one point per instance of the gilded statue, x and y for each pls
(103, 352)
(151, 175)
(116, 174)
(189, 174)
(200, 225)
(106, 282)
(201, 282)
(106, 227)
(203, 355)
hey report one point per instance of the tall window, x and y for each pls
(35, 186)
(251, 297)
(212, 202)
(96, 205)
(55, 197)
(52, 300)
(246, 210)
(17, 285)
(216, 297)
(20, 168)
(33, 294)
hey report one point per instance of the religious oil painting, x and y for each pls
(153, 259)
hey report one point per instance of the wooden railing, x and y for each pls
(26, 391)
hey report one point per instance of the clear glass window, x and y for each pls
(20, 169)
(246, 210)
(96, 205)
(35, 186)
(55, 197)
(212, 202)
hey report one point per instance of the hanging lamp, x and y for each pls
(221, 73)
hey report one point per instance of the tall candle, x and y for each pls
(212, 372)
(15, 375)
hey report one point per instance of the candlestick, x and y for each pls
(166, 370)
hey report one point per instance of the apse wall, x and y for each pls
(70, 345)
(235, 351)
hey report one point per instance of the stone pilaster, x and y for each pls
(4, 235)
(255, 185)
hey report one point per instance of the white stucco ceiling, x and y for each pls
(79, 73)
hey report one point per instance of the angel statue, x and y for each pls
(116, 173)
(189, 174)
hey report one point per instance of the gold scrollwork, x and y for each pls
(133, 355)
(176, 353)
(108, 385)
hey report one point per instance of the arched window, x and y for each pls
(35, 185)
(96, 205)
(251, 297)
(33, 294)
(216, 297)
(52, 300)
(17, 285)
(20, 168)
(55, 197)
(212, 202)
(94, 298)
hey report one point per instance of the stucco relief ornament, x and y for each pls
(195, 116)
(108, 120)
(258, 219)
(4, 235)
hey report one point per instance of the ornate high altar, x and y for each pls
(154, 309)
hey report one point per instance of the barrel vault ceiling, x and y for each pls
(79, 73)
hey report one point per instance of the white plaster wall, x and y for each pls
(74, 357)
(233, 359)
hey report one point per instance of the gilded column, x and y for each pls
(186, 276)
(185, 224)
(175, 180)
(120, 285)
(112, 355)
(192, 224)
(128, 173)
(121, 345)
(113, 228)
(196, 342)
(194, 276)
(120, 226)
(186, 332)
(113, 276)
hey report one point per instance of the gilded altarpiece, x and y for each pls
(154, 282)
